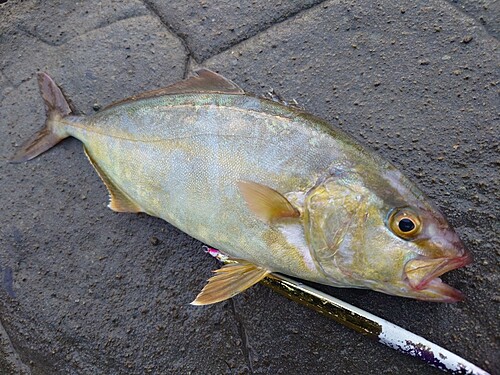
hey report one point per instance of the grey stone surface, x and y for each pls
(486, 12)
(138, 46)
(210, 26)
(9, 359)
(85, 290)
(59, 21)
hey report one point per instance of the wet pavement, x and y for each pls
(84, 290)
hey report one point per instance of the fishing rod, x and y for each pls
(365, 323)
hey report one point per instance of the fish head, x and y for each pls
(386, 236)
(433, 248)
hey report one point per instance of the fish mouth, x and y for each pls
(422, 275)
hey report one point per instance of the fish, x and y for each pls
(272, 187)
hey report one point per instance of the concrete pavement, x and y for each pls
(84, 290)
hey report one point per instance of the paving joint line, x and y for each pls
(189, 55)
(12, 355)
(275, 23)
(56, 45)
(37, 37)
(243, 336)
(468, 15)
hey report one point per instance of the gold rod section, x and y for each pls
(301, 293)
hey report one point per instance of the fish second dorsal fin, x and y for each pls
(118, 200)
(201, 81)
(229, 281)
(205, 80)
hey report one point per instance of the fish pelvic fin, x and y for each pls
(229, 281)
(266, 203)
(57, 107)
(118, 200)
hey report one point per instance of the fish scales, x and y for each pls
(270, 186)
(193, 149)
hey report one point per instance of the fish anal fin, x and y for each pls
(201, 81)
(118, 200)
(229, 281)
(266, 203)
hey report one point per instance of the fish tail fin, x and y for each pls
(57, 107)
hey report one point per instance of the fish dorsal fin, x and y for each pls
(201, 81)
(204, 80)
(229, 281)
(118, 200)
(266, 203)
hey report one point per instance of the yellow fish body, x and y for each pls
(272, 187)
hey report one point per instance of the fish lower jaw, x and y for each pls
(423, 278)
(436, 290)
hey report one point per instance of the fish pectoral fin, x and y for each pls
(229, 281)
(118, 200)
(266, 203)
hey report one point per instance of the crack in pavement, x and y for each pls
(471, 16)
(27, 32)
(189, 55)
(76, 343)
(99, 27)
(250, 35)
(12, 356)
(243, 336)
(276, 22)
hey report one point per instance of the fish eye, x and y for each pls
(404, 223)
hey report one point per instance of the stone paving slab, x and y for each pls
(59, 21)
(210, 26)
(485, 12)
(92, 291)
